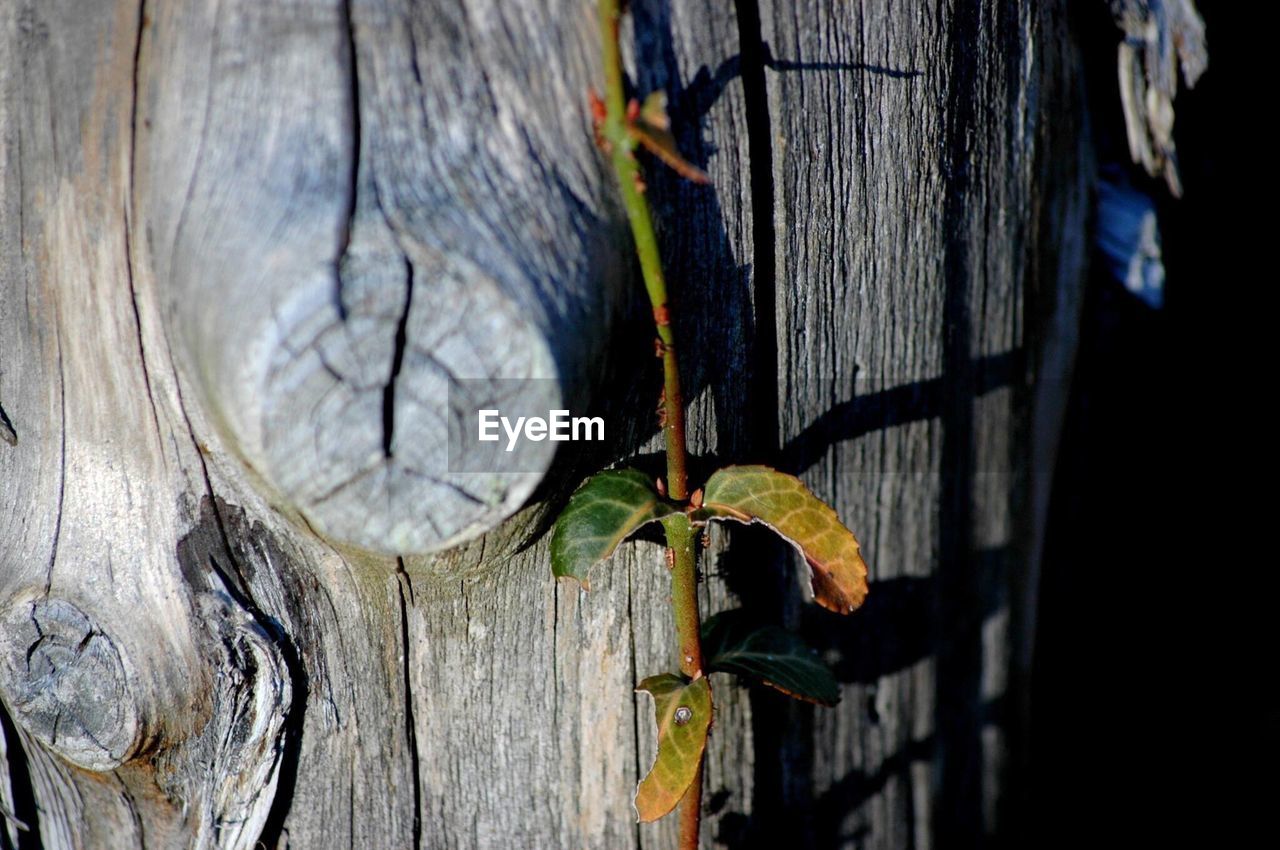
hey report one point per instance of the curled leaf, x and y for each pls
(654, 110)
(770, 655)
(604, 511)
(759, 494)
(682, 710)
(652, 129)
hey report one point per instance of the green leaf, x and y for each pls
(682, 710)
(770, 655)
(603, 512)
(782, 502)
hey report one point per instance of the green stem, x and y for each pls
(684, 592)
(615, 132)
(680, 532)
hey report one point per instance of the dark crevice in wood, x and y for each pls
(62, 458)
(273, 828)
(763, 428)
(7, 433)
(24, 799)
(292, 728)
(137, 320)
(397, 360)
(240, 585)
(410, 726)
(353, 186)
(135, 812)
(129, 261)
(957, 819)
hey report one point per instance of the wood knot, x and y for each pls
(65, 681)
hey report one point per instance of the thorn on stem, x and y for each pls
(598, 114)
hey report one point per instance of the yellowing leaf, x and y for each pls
(759, 494)
(653, 130)
(682, 710)
(654, 110)
(603, 512)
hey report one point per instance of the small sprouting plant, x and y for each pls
(613, 504)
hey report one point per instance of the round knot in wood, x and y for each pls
(64, 680)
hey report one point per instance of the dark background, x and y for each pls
(1153, 715)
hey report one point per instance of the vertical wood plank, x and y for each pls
(307, 695)
(906, 143)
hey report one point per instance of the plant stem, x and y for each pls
(684, 602)
(684, 592)
(680, 533)
(691, 813)
(622, 144)
(678, 528)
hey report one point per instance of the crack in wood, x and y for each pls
(290, 737)
(348, 223)
(62, 462)
(397, 361)
(127, 218)
(410, 725)
(636, 708)
(7, 434)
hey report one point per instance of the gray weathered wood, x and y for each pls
(368, 219)
(920, 252)
(193, 234)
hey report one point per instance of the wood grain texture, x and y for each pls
(115, 655)
(907, 149)
(862, 295)
(369, 218)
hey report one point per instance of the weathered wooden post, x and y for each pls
(246, 251)
(386, 218)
